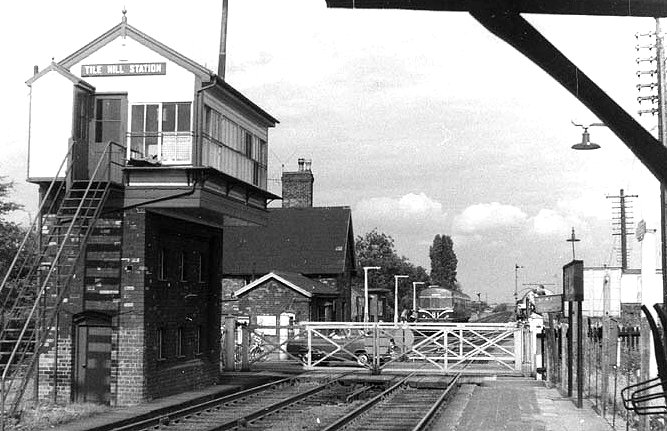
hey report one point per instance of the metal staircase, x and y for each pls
(39, 277)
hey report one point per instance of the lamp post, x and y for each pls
(366, 269)
(414, 294)
(396, 277)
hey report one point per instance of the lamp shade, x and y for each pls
(585, 143)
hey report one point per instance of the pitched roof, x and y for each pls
(298, 282)
(55, 67)
(124, 29)
(308, 241)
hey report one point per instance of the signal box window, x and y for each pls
(108, 120)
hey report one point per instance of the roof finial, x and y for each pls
(124, 20)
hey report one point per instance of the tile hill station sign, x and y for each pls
(123, 69)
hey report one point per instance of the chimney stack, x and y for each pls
(298, 186)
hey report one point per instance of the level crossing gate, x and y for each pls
(428, 347)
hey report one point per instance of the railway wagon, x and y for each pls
(440, 304)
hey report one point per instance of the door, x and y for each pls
(92, 368)
(109, 125)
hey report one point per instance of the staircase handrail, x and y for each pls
(75, 216)
(34, 221)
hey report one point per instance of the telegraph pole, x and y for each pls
(661, 111)
(622, 225)
(662, 124)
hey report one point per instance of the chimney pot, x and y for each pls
(298, 186)
(35, 69)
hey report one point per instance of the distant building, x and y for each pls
(622, 292)
(314, 242)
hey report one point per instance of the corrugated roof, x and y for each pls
(308, 241)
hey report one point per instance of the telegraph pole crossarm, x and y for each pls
(573, 239)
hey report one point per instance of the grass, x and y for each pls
(46, 416)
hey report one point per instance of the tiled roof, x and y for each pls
(309, 241)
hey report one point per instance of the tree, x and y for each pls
(11, 234)
(443, 262)
(378, 249)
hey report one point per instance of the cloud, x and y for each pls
(488, 217)
(410, 207)
(550, 222)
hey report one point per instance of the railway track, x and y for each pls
(400, 407)
(236, 410)
(293, 404)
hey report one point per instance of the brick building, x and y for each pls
(313, 242)
(295, 296)
(161, 155)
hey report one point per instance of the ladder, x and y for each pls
(39, 277)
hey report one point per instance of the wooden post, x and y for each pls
(230, 342)
(245, 346)
(580, 356)
(570, 353)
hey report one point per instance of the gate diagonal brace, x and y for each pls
(337, 347)
(472, 355)
(277, 346)
(489, 342)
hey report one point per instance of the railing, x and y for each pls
(167, 148)
(31, 274)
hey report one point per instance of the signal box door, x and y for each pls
(92, 372)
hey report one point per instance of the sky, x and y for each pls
(423, 123)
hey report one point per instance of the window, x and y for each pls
(184, 266)
(180, 343)
(161, 131)
(198, 340)
(176, 117)
(161, 267)
(248, 144)
(200, 267)
(159, 340)
(144, 128)
(108, 119)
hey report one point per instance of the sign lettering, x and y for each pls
(123, 69)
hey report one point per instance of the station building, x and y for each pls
(177, 155)
(297, 267)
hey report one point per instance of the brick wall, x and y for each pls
(182, 303)
(272, 298)
(128, 363)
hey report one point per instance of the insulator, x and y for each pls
(641, 60)
(650, 85)
(648, 111)
(652, 99)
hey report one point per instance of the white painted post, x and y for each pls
(518, 351)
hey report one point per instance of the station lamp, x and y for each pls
(586, 143)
